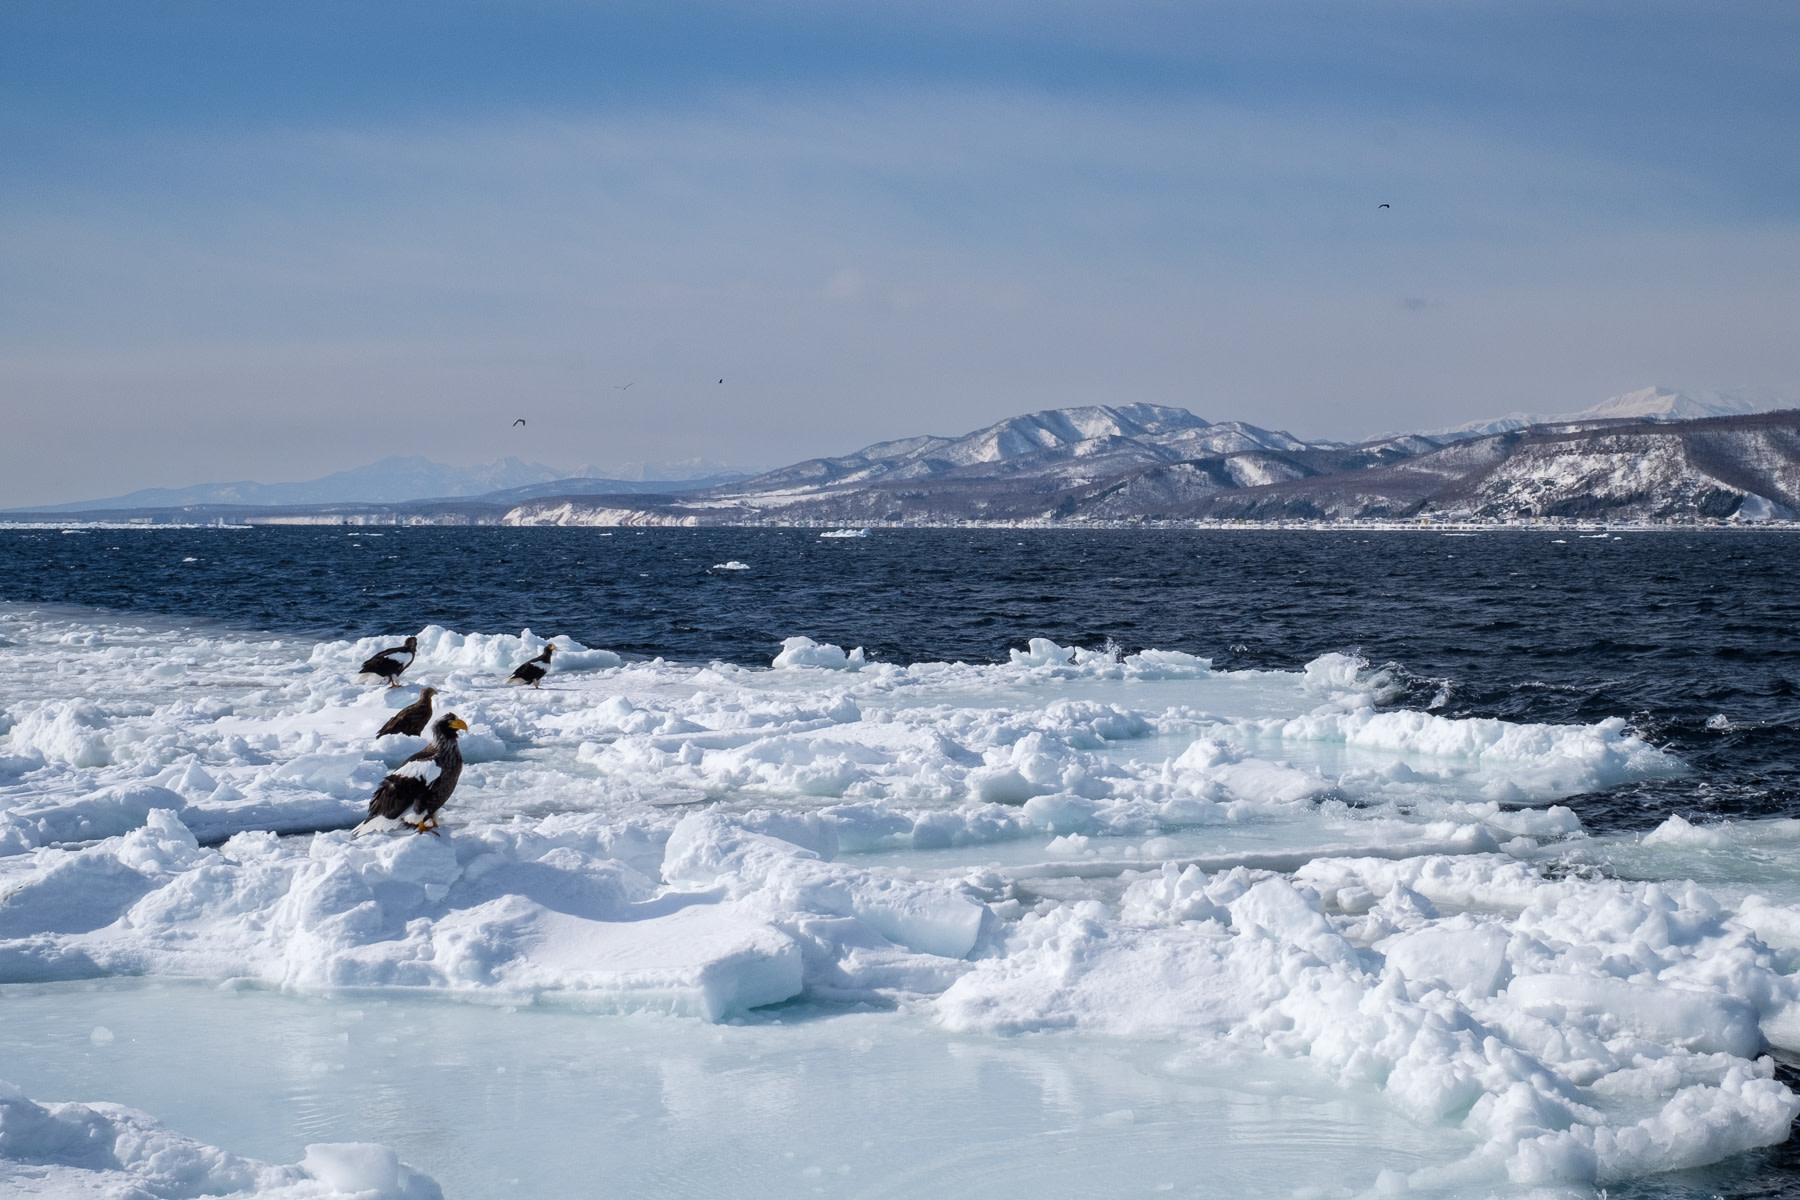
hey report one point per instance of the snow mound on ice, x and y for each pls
(68, 731)
(109, 812)
(753, 910)
(111, 1150)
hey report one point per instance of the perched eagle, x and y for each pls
(413, 718)
(531, 672)
(387, 665)
(418, 787)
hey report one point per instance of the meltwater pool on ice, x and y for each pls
(1077, 921)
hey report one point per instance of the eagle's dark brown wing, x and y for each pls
(384, 665)
(408, 786)
(527, 673)
(410, 720)
(398, 795)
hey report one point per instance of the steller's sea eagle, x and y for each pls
(413, 718)
(530, 672)
(387, 665)
(418, 787)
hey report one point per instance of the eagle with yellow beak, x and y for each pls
(412, 794)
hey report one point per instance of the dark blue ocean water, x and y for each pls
(1669, 630)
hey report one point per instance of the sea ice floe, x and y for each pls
(1124, 846)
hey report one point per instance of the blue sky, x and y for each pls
(256, 241)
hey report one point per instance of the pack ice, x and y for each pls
(1277, 863)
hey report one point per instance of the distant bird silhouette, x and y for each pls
(619, 387)
(519, 422)
(721, 381)
(1384, 206)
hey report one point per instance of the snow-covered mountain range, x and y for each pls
(1638, 456)
(1665, 453)
(1069, 445)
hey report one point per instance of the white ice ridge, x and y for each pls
(1123, 846)
(108, 1150)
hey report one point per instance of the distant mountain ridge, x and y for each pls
(389, 481)
(395, 480)
(1639, 461)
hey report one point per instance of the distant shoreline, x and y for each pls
(1545, 525)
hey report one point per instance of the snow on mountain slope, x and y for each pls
(1072, 446)
(1650, 403)
(1641, 474)
(1666, 405)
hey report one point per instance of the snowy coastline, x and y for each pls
(354, 521)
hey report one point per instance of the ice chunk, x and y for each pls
(705, 839)
(1706, 1022)
(1173, 896)
(1042, 652)
(804, 652)
(69, 731)
(1333, 672)
(1460, 954)
(1676, 831)
(368, 1171)
(1274, 909)
(702, 961)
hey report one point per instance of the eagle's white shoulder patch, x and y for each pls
(425, 770)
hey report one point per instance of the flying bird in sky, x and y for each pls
(518, 422)
(622, 386)
(1384, 206)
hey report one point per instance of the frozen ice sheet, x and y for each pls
(796, 1102)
